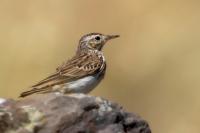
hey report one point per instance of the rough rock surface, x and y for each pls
(75, 113)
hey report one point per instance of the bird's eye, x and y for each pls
(97, 38)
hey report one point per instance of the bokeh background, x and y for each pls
(153, 68)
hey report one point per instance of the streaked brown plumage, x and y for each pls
(81, 73)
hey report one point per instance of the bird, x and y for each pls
(80, 74)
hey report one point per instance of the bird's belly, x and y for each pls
(83, 85)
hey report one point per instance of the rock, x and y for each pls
(75, 113)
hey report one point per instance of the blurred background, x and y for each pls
(153, 68)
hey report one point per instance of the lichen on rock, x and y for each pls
(74, 113)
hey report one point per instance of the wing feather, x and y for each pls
(79, 66)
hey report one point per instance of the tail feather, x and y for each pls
(30, 92)
(42, 89)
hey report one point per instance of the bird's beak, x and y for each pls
(109, 37)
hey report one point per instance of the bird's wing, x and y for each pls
(79, 66)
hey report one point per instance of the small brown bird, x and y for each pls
(81, 73)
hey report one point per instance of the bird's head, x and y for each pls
(94, 41)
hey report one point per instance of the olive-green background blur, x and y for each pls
(153, 68)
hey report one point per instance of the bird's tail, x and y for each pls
(33, 91)
(44, 86)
